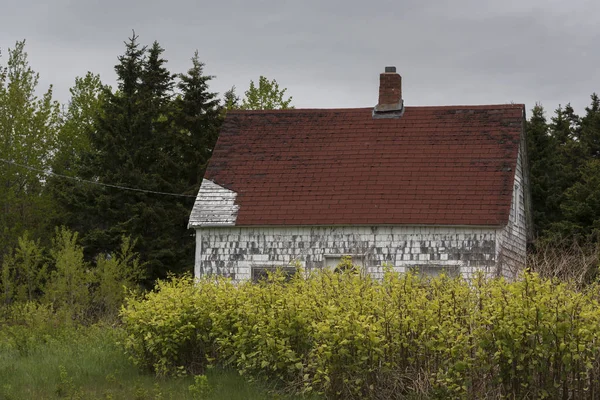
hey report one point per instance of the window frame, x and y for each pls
(452, 271)
(259, 272)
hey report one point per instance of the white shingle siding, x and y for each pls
(233, 251)
(512, 239)
(214, 206)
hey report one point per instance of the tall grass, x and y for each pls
(88, 363)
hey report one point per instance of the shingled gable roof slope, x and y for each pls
(451, 165)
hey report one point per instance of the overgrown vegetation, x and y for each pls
(59, 278)
(569, 261)
(42, 358)
(349, 336)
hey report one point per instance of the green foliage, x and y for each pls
(346, 264)
(201, 389)
(230, 100)
(348, 336)
(168, 329)
(63, 282)
(74, 361)
(68, 286)
(25, 326)
(541, 148)
(562, 158)
(28, 136)
(115, 275)
(590, 129)
(24, 273)
(265, 96)
(198, 119)
(66, 387)
(84, 108)
(78, 123)
(581, 205)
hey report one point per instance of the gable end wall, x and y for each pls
(512, 239)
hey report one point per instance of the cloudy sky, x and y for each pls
(329, 53)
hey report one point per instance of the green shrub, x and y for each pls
(114, 276)
(60, 278)
(24, 272)
(349, 336)
(169, 330)
(68, 286)
(201, 388)
(25, 326)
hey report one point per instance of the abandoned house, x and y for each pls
(430, 188)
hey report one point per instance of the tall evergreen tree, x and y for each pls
(581, 206)
(564, 130)
(541, 149)
(581, 165)
(98, 212)
(198, 120)
(590, 129)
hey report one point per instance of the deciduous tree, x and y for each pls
(265, 96)
(29, 130)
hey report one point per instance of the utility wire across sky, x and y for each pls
(50, 173)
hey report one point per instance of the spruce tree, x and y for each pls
(124, 148)
(230, 99)
(102, 213)
(564, 130)
(541, 149)
(581, 205)
(581, 201)
(199, 116)
(590, 129)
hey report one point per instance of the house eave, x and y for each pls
(457, 226)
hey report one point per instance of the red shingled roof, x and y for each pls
(433, 166)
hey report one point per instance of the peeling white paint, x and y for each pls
(214, 206)
(233, 251)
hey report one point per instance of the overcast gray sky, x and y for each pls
(330, 53)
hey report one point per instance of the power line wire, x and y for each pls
(94, 183)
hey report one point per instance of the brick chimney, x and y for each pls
(390, 103)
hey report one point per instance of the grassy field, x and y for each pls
(88, 364)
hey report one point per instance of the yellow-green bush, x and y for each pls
(351, 336)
